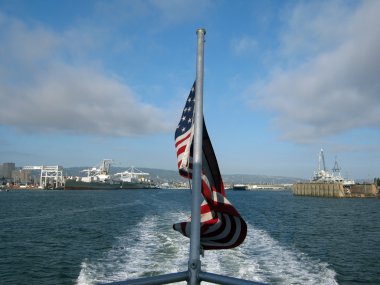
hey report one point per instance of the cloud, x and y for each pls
(313, 27)
(336, 87)
(45, 85)
(243, 45)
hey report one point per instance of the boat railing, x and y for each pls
(184, 276)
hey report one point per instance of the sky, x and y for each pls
(82, 81)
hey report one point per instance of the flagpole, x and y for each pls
(194, 257)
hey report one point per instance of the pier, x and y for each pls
(335, 190)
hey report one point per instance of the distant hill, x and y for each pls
(162, 175)
(259, 179)
(155, 174)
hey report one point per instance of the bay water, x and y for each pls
(88, 237)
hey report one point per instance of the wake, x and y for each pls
(154, 248)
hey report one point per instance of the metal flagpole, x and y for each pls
(194, 259)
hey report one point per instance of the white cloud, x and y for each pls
(243, 45)
(314, 26)
(336, 88)
(42, 91)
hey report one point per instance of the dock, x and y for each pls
(335, 190)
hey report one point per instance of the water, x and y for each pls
(85, 237)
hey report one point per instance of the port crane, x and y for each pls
(132, 174)
(50, 176)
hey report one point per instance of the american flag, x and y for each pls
(222, 226)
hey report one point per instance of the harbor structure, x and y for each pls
(331, 184)
(99, 178)
(51, 177)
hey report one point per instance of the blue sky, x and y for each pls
(81, 81)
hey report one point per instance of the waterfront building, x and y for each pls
(22, 176)
(6, 169)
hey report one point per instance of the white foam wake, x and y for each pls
(261, 258)
(153, 248)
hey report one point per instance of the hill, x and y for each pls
(163, 175)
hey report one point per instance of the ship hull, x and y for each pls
(81, 185)
(240, 187)
(136, 185)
